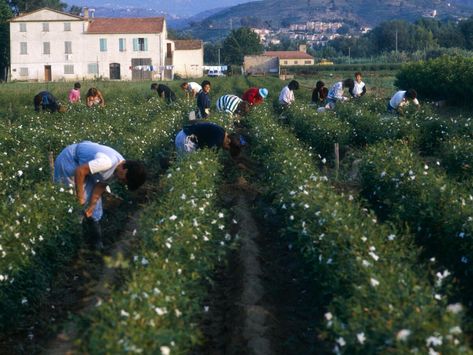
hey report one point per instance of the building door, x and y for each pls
(115, 71)
(47, 73)
(141, 69)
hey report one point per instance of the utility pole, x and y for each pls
(349, 55)
(218, 49)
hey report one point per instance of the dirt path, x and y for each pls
(108, 275)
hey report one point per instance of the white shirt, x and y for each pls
(193, 87)
(399, 99)
(286, 97)
(358, 89)
(103, 164)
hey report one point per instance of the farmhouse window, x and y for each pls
(307, 62)
(45, 26)
(296, 62)
(122, 44)
(67, 26)
(23, 48)
(68, 47)
(46, 48)
(285, 62)
(92, 68)
(68, 69)
(140, 44)
(22, 27)
(103, 44)
(23, 71)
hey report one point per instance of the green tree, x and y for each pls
(5, 14)
(211, 52)
(18, 6)
(466, 28)
(238, 43)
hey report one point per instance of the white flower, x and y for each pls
(341, 341)
(328, 316)
(438, 297)
(455, 308)
(455, 330)
(434, 340)
(124, 313)
(366, 263)
(433, 352)
(20, 172)
(220, 215)
(160, 311)
(403, 334)
(374, 256)
(383, 174)
(391, 237)
(374, 282)
(173, 217)
(165, 350)
(361, 337)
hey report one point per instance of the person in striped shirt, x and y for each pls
(233, 105)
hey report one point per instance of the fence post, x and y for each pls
(337, 160)
(51, 164)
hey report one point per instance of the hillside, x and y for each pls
(277, 13)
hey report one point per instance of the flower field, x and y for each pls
(385, 231)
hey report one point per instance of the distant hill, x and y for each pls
(277, 13)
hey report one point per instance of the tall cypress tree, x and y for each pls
(5, 14)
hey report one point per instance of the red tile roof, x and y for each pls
(186, 44)
(288, 54)
(126, 25)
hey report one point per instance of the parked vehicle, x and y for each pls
(214, 72)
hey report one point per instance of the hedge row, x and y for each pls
(183, 239)
(404, 189)
(314, 69)
(378, 299)
(445, 78)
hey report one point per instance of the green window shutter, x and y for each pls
(135, 45)
(145, 45)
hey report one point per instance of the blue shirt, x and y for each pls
(203, 102)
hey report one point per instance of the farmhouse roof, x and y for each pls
(126, 25)
(187, 44)
(288, 54)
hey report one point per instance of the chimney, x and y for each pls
(92, 13)
(303, 48)
(86, 13)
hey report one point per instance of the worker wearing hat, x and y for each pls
(255, 96)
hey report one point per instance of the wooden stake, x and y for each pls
(337, 160)
(51, 164)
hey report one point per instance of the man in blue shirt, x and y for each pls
(203, 100)
(207, 135)
(47, 101)
(90, 167)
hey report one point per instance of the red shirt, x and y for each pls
(252, 96)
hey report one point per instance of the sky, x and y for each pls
(176, 7)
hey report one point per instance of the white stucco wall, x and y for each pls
(85, 48)
(189, 63)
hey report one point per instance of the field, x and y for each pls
(293, 248)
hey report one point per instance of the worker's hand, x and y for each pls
(88, 212)
(207, 111)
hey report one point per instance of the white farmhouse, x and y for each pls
(49, 45)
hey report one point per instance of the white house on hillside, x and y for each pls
(49, 45)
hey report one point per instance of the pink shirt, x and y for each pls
(74, 96)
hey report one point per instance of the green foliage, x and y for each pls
(377, 301)
(164, 299)
(405, 189)
(239, 43)
(453, 78)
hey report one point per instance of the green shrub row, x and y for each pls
(445, 78)
(314, 69)
(39, 233)
(183, 237)
(457, 157)
(405, 189)
(378, 300)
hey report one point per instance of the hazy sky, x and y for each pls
(177, 7)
